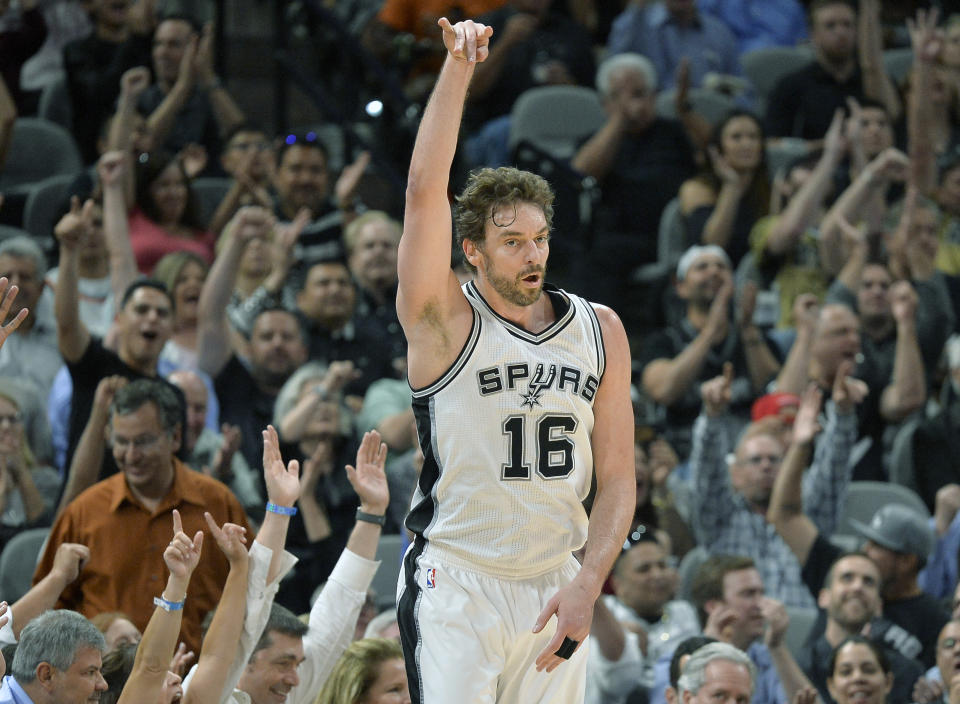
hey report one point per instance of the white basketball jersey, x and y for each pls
(505, 434)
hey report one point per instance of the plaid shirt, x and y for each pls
(725, 524)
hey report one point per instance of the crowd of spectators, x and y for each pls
(172, 364)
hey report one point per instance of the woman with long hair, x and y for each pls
(371, 671)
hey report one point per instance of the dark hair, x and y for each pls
(282, 620)
(245, 126)
(137, 394)
(301, 325)
(487, 190)
(687, 646)
(708, 580)
(816, 5)
(148, 169)
(758, 193)
(828, 580)
(308, 139)
(182, 17)
(641, 534)
(878, 652)
(144, 283)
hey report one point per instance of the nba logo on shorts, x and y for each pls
(431, 578)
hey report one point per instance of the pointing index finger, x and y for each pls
(177, 523)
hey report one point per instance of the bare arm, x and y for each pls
(120, 139)
(762, 366)
(8, 118)
(225, 111)
(161, 120)
(805, 205)
(598, 154)
(67, 563)
(927, 43)
(792, 678)
(73, 338)
(794, 374)
(220, 643)
(785, 511)
(160, 636)
(607, 632)
(908, 389)
(876, 83)
(123, 265)
(283, 489)
(614, 503)
(88, 457)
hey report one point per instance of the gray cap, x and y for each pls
(898, 528)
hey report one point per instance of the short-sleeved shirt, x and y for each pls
(126, 541)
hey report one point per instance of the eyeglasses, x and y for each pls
(259, 145)
(758, 459)
(141, 443)
(949, 643)
(10, 420)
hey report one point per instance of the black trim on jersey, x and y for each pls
(454, 369)
(598, 335)
(557, 296)
(422, 514)
(407, 607)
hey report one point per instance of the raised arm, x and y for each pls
(612, 443)
(876, 83)
(220, 643)
(283, 489)
(120, 139)
(67, 563)
(927, 43)
(225, 110)
(160, 637)
(8, 117)
(88, 457)
(907, 391)
(113, 169)
(733, 186)
(213, 337)
(785, 511)
(794, 373)
(161, 120)
(429, 294)
(803, 208)
(73, 338)
(762, 366)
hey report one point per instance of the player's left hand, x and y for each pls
(573, 607)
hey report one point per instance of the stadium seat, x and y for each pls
(19, 560)
(711, 105)
(865, 498)
(556, 119)
(39, 149)
(45, 202)
(55, 104)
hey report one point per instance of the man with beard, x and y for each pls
(521, 397)
(803, 103)
(851, 599)
(696, 349)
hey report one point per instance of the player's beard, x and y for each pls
(512, 290)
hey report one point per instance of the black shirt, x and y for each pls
(245, 405)
(802, 103)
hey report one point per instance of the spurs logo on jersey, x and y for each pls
(493, 380)
(509, 425)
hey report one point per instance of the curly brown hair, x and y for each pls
(489, 189)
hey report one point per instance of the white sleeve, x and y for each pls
(6, 633)
(260, 596)
(333, 620)
(616, 679)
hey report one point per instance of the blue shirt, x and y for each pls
(939, 577)
(757, 24)
(707, 43)
(12, 693)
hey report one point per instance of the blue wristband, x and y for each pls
(167, 605)
(282, 510)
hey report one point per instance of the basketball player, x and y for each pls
(521, 393)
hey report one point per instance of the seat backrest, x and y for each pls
(556, 118)
(802, 620)
(901, 470)
(689, 565)
(389, 553)
(38, 149)
(19, 560)
(709, 104)
(55, 104)
(44, 204)
(864, 498)
(764, 67)
(672, 235)
(210, 192)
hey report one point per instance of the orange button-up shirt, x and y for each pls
(126, 541)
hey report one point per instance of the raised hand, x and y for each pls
(728, 175)
(806, 425)
(747, 304)
(467, 40)
(73, 228)
(134, 81)
(718, 316)
(806, 310)
(663, 459)
(807, 695)
(720, 623)
(182, 554)
(7, 296)
(847, 391)
(925, 38)
(283, 481)
(776, 621)
(110, 169)
(834, 142)
(716, 392)
(231, 539)
(172, 689)
(107, 389)
(346, 187)
(69, 560)
(368, 478)
(181, 660)
(903, 302)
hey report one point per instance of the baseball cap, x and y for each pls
(899, 528)
(771, 405)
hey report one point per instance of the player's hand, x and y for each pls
(467, 40)
(573, 607)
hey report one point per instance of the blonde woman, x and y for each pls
(371, 671)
